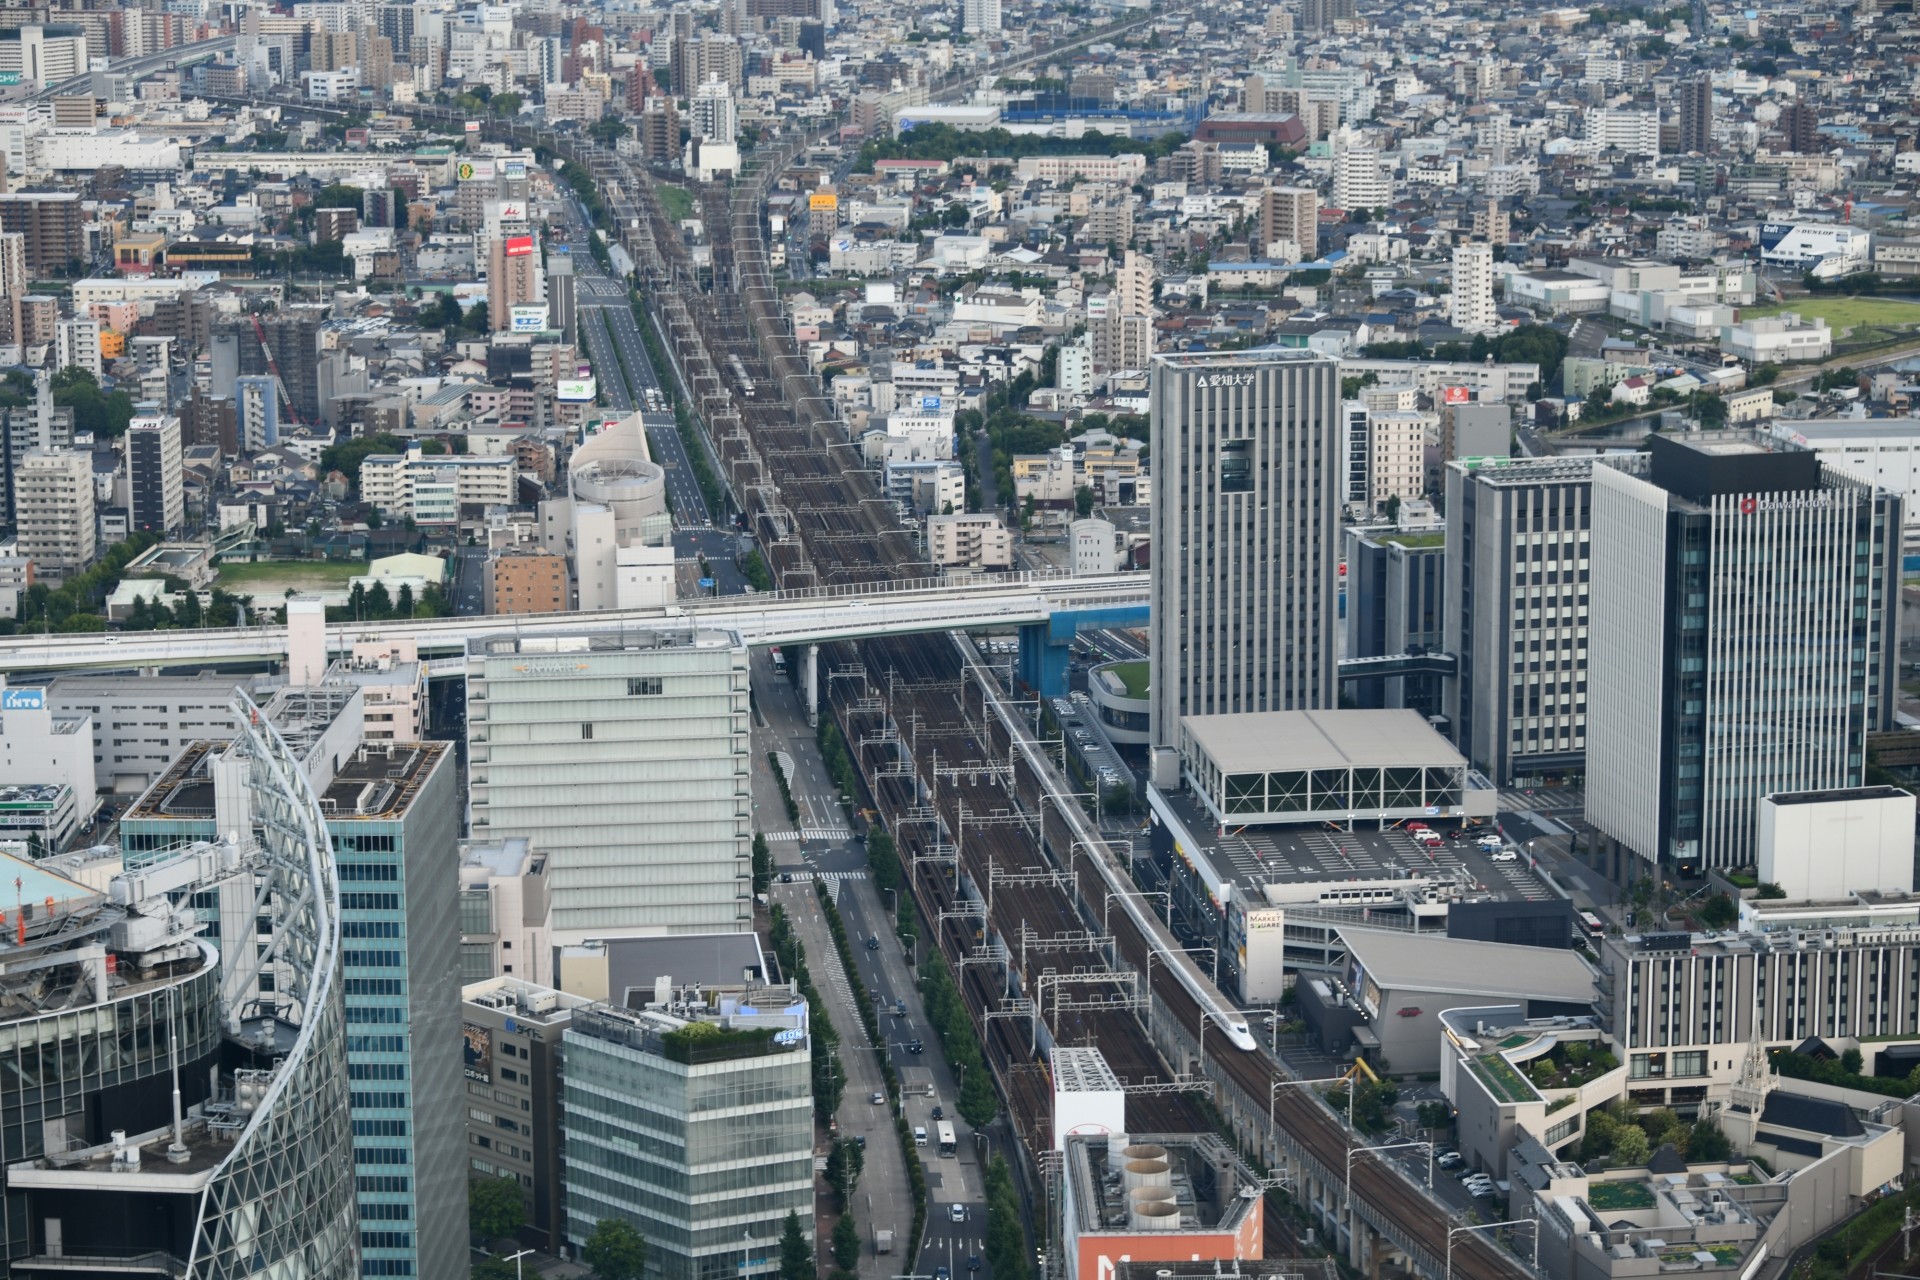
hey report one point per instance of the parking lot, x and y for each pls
(1256, 857)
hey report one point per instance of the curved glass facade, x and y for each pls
(281, 1204)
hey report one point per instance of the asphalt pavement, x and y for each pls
(821, 849)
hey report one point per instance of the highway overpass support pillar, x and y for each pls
(810, 684)
(1043, 660)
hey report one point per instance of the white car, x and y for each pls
(1489, 843)
(1505, 855)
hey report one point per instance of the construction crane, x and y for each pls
(273, 367)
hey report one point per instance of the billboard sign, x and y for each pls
(823, 202)
(23, 699)
(930, 404)
(473, 126)
(9, 77)
(513, 169)
(478, 1055)
(529, 319)
(1454, 395)
(574, 389)
(511, 211)
(474, 170)
(519, 246)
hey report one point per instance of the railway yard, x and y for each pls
(963, 799)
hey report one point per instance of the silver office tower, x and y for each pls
(1515, 614)
(1246, 496)
(624, 757)
(1742, 640)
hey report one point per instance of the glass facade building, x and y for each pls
(249, 1174)
(1742, 640)
(392, 820)
(703, 1141)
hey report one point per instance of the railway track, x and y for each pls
(822, 520)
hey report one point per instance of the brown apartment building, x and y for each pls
(51, 221)
(527, 582)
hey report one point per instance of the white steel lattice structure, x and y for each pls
(282, 1204)
(152, 1123)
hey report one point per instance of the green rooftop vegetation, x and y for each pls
(1620, 1195)
(1133, 675)
(1415, 541)
(1570, 1065)
(699, 1042)
(1501, 1079)
(1724, 1255)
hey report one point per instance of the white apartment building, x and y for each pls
(1637, 133)
(628, 758)
(1470, 305)
(1125, 169)
(54, 512)
(432, 489)
(975, 541)
(76, 344)
(1360, 179)
(979, 16)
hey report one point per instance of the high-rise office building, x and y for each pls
(1515, 615)
(1291, 214)
(979, 16)
(210, 419)
(696, 1129)
(154, 477)
(627, 758)
(1132, 285)
(1696, 114)
(1395, 584)
(391, 820)
(240, 1166)
(53, 512)
(1246, 498)
(659, 129)
(1742, 639)
(1470, 306)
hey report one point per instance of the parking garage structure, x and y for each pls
(1271, 831)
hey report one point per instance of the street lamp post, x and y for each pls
(517, 1264)
(1276, 1085)
(1487, 1226)
(1386, 1146)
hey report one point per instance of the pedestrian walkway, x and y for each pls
(830, 834)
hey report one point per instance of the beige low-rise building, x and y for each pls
(969, 542)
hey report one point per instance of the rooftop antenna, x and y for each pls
(177, 1152)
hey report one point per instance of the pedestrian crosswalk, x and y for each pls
(841, 834)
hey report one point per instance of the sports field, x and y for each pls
(1853, 320)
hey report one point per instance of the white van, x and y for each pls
(919, 1135)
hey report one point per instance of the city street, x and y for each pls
(827, 853)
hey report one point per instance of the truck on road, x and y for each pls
(916, 1082)
(883, 1240)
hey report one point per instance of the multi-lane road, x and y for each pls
(822, 849)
